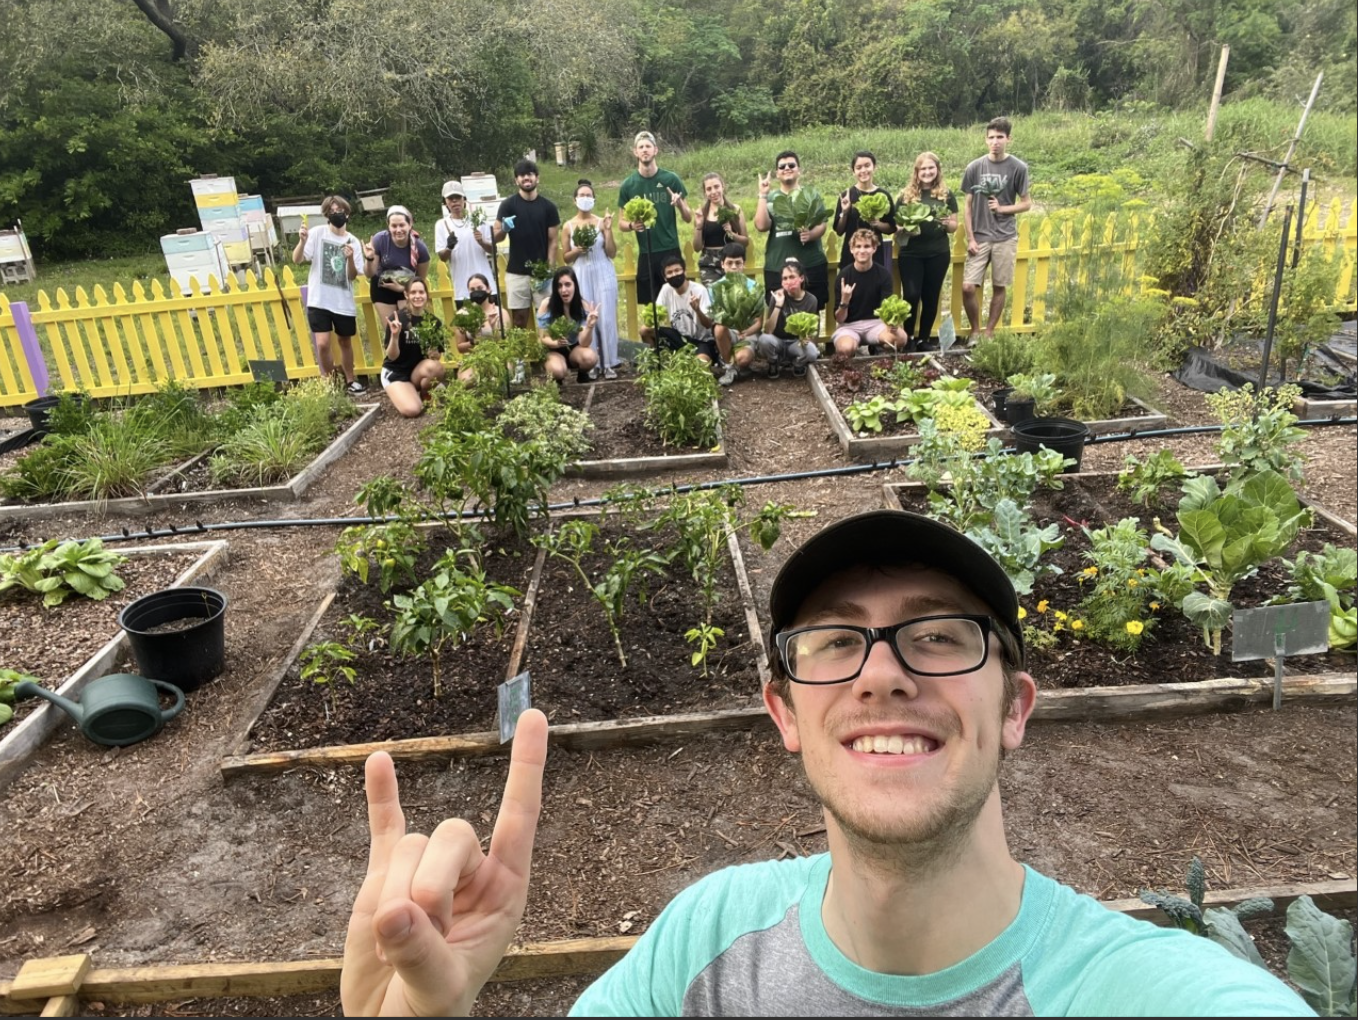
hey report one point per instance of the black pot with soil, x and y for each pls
(1019, 408)
(178, 635)
(1065, 436)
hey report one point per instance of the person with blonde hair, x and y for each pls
(926, 251)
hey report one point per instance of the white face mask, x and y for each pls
(584, 203)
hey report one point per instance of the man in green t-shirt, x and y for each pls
(667, 192)
(786, 239)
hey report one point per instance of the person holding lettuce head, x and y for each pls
(659, 240)
(849, 217)
(795, 218)
(925, 245)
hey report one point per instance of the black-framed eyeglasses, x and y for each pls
(787, 166)
(944, 645)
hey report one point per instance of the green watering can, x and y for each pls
(115, 710)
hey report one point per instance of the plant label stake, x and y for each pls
(516, 697)
(1302, 628)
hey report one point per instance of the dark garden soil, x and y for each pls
(618, 411)
(146, 856)
(51, 644)
(1174, 652)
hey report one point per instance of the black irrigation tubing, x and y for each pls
(199, 528)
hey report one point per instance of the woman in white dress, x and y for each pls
(594, 268)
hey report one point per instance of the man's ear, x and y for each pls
(1016, 718)
(784, 717)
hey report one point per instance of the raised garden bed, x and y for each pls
(558, 634)
(185, 483)
(621, 444)
(1176, 652)
(43, 635)
(838, 384)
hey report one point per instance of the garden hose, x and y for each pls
(199, 528)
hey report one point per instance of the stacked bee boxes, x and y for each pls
(219, 210)
(16, 258)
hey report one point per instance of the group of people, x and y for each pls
(583, 285)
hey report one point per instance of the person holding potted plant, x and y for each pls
(566, 324)
(336, 260)
(412, 364)
(719, 223)
(995, 190)
(925, 248)
(588, 246)
(464, 247)
(531, 223)
(391, 259)
(849, 216)
(795, 218)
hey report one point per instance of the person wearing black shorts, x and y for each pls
(336, 260)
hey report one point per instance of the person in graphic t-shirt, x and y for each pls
(862, 287)
(336, 258)
(995, 190)
(531, 222)
(669, 196)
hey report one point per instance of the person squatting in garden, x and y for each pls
(776, 344)
(740, 345)
(995, 190)
(785, 240)
(465, 249)
(898, 677)
(691, 325)
(530, 221)
(862, 287)
(478, 294)
(336, 260)
(412, 364)
(719, 223)
(667, 193)
(926, 251)
(594, 268)
(574, 349)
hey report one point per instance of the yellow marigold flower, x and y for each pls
(1091, 571)
(1058, 626)
(1042, 606)
(1131, 582)
(1060, 615)
(1023, 613)
(1077, 625)
(1135, 627)
(1155, 605)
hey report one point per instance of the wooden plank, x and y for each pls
(342, 444)
(62, 1005)
(1144, 701)
(53, 975)
(1328, 896)
(530, 599)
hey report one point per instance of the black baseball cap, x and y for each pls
(887, 537)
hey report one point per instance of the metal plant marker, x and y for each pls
(1301, 628)
(516, 697)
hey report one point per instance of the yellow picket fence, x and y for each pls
(127, 343)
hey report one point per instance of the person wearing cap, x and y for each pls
(531, 222)
(665, 189)
(463, 247)
(899, 679)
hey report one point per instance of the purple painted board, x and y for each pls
(28, 339)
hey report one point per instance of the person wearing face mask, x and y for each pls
(594, 268)
(926, 252)
(336, 260)
(396, 248)
(479, 294)
(691, 324)
(463, 247)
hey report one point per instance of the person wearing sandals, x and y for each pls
(336, 260)
(576, 349)
(777, 345)
(926, 253)
(396, 251)
(721, 222)
(413, 335)
(594, 268)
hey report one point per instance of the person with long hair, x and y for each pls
(576, 348)
(778, 346)
(926, 252)
(594, 268)
(479, 294)
(720, 222)
(390, 251)
(336, 260)
(412, 365)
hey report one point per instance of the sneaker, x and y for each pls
(775, 369)
(727, 377)
(799, 369)
(582, 376)
(356, 387)
(610, 373)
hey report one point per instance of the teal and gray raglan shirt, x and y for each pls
(749, 941)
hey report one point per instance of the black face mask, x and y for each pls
(338, 219)
(676, 281)
(478, 295)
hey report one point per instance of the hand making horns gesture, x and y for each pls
(435, 914)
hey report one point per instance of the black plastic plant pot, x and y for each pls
(1019, 409)
(40, 412)
(999, 399)
(1065, 436)
(178, 635)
